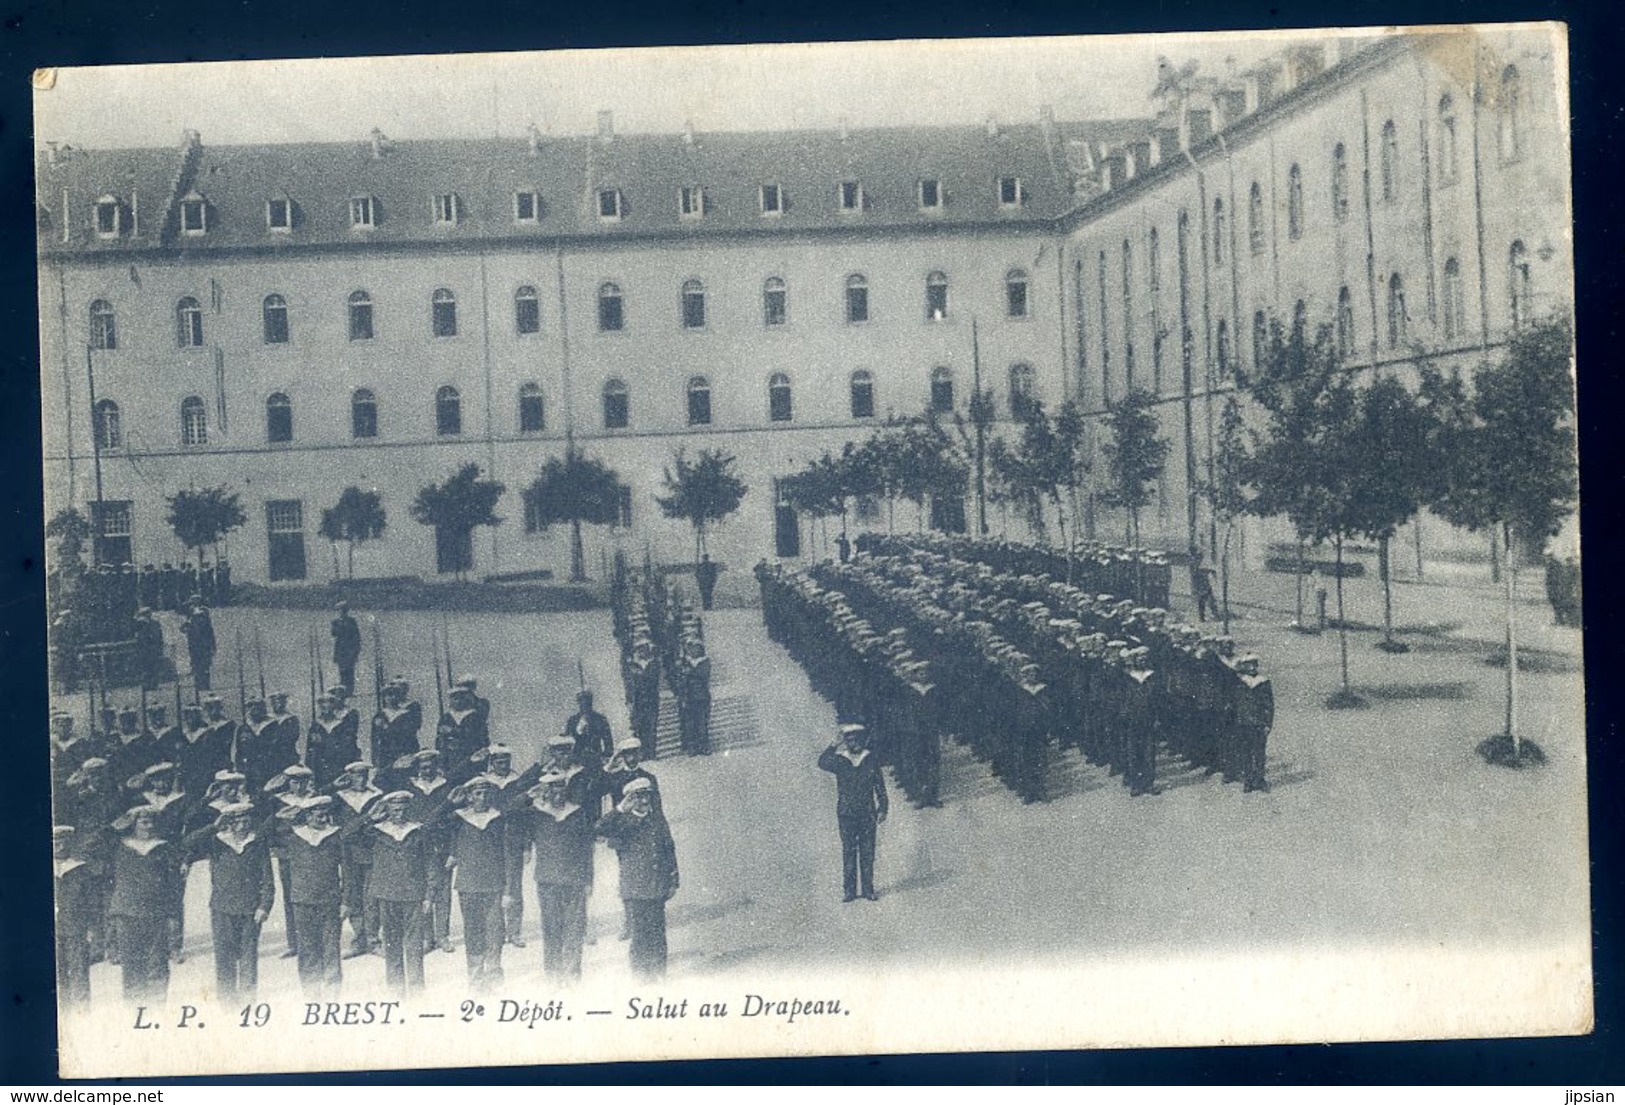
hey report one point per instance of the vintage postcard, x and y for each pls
(813, 549)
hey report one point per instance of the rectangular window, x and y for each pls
(107, 219)
(525, 207)
(446, 209)
(609, 204)
(691, 201)
(193, 217)
(1010, 192)
(285, 532)
(362, 214)
(278, 215)
(930, 195)
(114, 525)
(772, 200)
(851, 196)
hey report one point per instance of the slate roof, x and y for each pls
(648, 170)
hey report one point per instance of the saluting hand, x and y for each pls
(259, 916)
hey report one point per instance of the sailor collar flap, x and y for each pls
(357, 799)
(428, 786)
(63, 866)
(557, 813)
(162, 801)
(237, 844)
(855, 761)
(143, 847)
(397, 833)
(481, 819)
(314, 837)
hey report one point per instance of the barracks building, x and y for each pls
(289, 320)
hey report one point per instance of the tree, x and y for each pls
(1306, 464)
(1047, 464)
(1227, 494)
(71, 530)
(1395, 438)
(577, 489)
(358, 517)
(703, 491)
(455, 508)
(1512, 470)
(820, 489)
(203, 516)
(1135, 456)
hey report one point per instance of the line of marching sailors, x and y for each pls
(338, 841)
(926, 646)
(1142, 575)
(658, 630)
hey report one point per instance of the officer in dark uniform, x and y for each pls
(346, 636)
(1251, 721)
(590, 730)
(198, 628)
(461, 733)
(149, 648)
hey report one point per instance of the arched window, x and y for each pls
(1260, 340)
(363, 414)
(103, 330)
(1340, 182)
(617, 405)
(1518, 274)
(448, 412)
(1015, 293)
(1511, 109)
(1455, 317)
(1218, 233)
(1390, 162)
(360, 316)
(779, 400)
(188, 323)
(611, 315)
(278, 419)
(1221, 341)
(443, 313)
(527, 311)
(194, 421)
(1345, 322)
(1255, 219)
(693, 305)
(699, 401)
(775, 302)
(1447, 138)
(1023, 389)
(942, 390)
(274, 315)
(1294, 202)
(863, 394)
(857, 298)
(109, 434)
(532, 415)
(1398, 320)
(936, 297)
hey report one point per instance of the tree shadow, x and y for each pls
(1453, 691)
(934, 877)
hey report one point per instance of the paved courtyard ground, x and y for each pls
(1383, 827)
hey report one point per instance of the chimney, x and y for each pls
(535, 137)
(992, 127)
(380, 144)
(606, 126)
(688, 131)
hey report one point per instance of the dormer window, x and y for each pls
(851, 196)
(1011, 193)
(279, 215)
(527, 207)
(363, 213)
(194, 215)
(109, 219)
(691, 201)
(931, 195)
(609, 204)
(772, 199)
(447, 208)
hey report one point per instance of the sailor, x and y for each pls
(400, 861)
(356, 796)
(198, 628)
(241, 893)
(860, 805)
(143, 869)
(1251, 720)
(590, 730)
(331, 742)
(648, 873)
(77, 915)
(508, 788)
(477, 853)
(461, 733)
(430, 790)
(346, 636)
(395, 727)
(292, 789)
(313, 853)
(563, 832)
